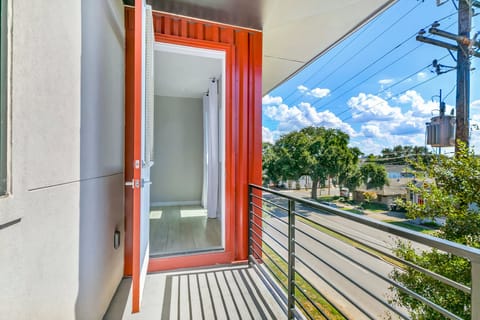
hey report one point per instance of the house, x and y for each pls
(95, 98)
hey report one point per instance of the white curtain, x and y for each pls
(205, 151)
(211, 158)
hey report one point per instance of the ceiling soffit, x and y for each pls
(295, 32)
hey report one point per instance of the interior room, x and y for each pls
(187, 191)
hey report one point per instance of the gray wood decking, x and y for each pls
(183, 229)
(216, 293)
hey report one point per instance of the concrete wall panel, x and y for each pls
(56, 228)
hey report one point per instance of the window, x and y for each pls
(3, 98)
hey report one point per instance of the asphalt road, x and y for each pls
(350, 278)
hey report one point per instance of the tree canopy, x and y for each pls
(451, 192)
(401, 155)
(314, 151)
(374, 175)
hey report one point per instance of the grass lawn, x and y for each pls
(352, 210)
(278, 265)
(413, 227)
(375, 207)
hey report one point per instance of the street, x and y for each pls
(346, 275)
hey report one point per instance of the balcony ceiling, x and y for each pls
(294, 31)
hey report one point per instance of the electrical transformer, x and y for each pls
(441, 131)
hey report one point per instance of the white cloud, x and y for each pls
(475, 106)
(421, 76)
(368, 107)
(319, 93)
(304, 115)
(420, 107)
(302, 88)
(388, 125)
(385, 81)
(267, 100)
(267, 135)
(315, 92)
(371, 131)
(379, 124)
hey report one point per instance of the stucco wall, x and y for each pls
(178, 155)
(58, 260)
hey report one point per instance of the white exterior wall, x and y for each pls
(177, 175)
(67, 106)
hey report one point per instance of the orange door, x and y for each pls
(133, 150)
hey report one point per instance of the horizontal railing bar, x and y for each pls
(269, 213)
(305, 312)
(278, 291)
(312, 302)
(434, 306)
(307, 265)
(270, 258)
(429, 303)
(275, 276)
(444, 245)
(432, 274)
(269, 202)
(268, 223)
(266, 275)
(270, 236)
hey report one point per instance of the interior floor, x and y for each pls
(183, 229)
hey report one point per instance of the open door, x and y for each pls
(138, 148)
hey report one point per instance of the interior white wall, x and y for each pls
(58, 261)
(177, 174)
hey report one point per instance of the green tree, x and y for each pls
(330, 154)
(451, 192)
(269, 163)
(401, 155)
(352, 178)
(292, 155)
(374, 175)
(349, 174)
(314, 151)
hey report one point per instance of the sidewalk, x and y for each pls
(381, 216)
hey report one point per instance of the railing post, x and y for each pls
(250, 224)
(291, 259)
(475, 296)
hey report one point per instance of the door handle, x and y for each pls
(134, 184)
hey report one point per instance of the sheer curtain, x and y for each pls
(210, 190)
(205, 151)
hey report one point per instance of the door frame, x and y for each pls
(227, 255)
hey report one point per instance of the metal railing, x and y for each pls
(290, 239)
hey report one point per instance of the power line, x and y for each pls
(351, 40)
(398, 82)
(368, 44)
(371, 76)
(373, 63)
(450, 92)
(396, 95)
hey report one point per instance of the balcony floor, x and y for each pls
(233, 292)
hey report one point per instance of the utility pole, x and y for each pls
(462, 112)
(464, 47)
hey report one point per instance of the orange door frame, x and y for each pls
(227, 255)
(243, 149)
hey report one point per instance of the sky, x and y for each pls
(378, 84)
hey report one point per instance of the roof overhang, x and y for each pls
(295, 32)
